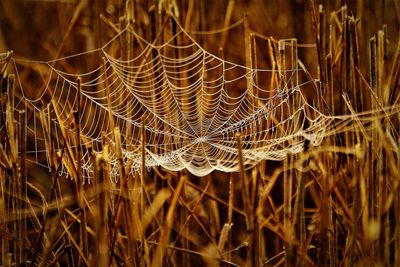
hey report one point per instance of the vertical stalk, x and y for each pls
(230, 213)
(250, 261)
(101, 172)
(79, 187)
(228, 15)
(108, 96)
(23, 184)
(142, 183)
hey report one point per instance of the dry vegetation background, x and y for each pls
(343, 211)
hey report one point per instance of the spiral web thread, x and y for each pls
(193, 105)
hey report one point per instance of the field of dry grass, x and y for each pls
(335, 204)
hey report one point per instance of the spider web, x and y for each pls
(191, 105)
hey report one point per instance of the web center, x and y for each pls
(200, 139)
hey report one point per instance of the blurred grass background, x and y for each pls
(44, 30)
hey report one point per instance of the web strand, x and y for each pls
(193, 104)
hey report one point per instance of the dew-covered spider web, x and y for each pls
(192, 106)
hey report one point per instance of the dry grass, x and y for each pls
(335, 205)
